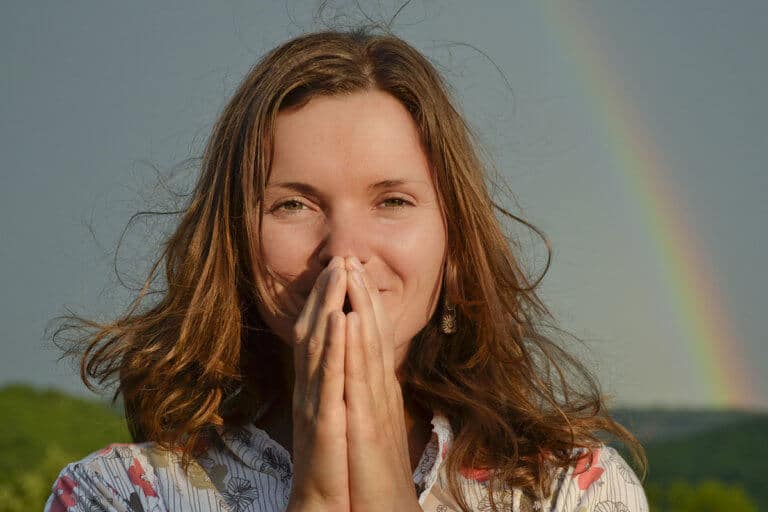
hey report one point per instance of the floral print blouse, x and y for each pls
(245, 470)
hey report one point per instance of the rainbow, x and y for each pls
(718, 355)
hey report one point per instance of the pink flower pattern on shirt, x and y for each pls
(64, 490)
(138, 476)
(587, 471)
(108, 449)
(476, 474)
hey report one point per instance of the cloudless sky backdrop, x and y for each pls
(634, 134)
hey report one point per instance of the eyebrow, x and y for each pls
(308, 189)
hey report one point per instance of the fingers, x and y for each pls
(376, 432)
(369, 339)
(360, 402)
(311, 328)
(371, 361)
(371, 380)
(331, 375)
(319, 421)
(378, 330)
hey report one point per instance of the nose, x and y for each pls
(345, 235)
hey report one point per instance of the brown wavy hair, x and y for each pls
(201, 356)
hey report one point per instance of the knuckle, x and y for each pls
(298, 330)
(336, 314)
(327, 417)
(314, 346)
(374, 349)
(327, 368)
(304, 413)
(357, 374)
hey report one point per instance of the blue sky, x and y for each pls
(91, 93)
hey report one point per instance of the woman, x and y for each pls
(345, 326)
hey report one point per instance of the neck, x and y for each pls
(419, 429)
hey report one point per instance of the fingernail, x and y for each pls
(355, 263)
(336, 262)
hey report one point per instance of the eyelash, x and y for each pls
(291, 212)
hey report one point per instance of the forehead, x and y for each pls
(365, 135)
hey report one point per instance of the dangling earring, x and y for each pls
(448, 320)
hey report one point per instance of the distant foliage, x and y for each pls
(733, 454)
(43, 432)
(707, 496)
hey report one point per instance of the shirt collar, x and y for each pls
(256, 449)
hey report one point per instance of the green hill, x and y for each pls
(697, 446)
(46, 430)
(651, 425)
(734, 454)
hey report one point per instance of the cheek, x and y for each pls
(416, 253)
(286, 251)
(421, 240)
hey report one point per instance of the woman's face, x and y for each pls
(350, 178)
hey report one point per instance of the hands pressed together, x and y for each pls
(350, 441)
